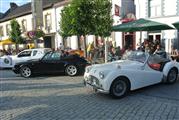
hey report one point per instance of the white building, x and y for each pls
(23, 15)
(51, 19)
(163, 11)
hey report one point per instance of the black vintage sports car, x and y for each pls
(52, 62)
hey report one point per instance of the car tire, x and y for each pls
(119, 88)
(172, 76)
(25, 71)
(71, 70)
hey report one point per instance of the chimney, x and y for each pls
(13, 5)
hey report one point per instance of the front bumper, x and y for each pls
(92, 82)
(17, 71)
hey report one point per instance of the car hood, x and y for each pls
(123, 64)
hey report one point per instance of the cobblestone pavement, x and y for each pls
(65, 98)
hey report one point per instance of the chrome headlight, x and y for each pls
(101, 75)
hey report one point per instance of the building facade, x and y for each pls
(51, 19)
(23, 14)
(163, 11)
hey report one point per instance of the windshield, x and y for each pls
(135, 56)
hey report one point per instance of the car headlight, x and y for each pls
(101, 75)
(88, 69)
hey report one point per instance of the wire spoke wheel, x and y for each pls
(119, 88)
(172, 76)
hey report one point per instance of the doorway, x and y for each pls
(47, 42)
(129, 40)
(155, 37)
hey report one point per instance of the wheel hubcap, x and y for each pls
(71, 70)
(26, 72)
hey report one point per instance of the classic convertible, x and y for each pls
(136, 70)
(52, 62)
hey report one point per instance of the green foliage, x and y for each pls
(101, 18)
(83, 17)
(15, 33)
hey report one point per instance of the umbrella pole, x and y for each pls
(106, 50)
(140, 40)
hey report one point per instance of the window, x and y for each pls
(8, 28)
(167, 5)
(1, 31)
(155, 8)
(56, 56)
(48, 23)
(35, 52)
(24, 25)
(52, 56)
(25, 54)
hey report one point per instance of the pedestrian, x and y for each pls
(61, 47)
(160, 51)
(90, 49)
(174, 54)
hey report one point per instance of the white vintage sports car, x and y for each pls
(135, 70)
(8, 61)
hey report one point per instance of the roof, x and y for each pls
(24, 10)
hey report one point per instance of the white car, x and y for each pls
(8, 61)
(136, 70)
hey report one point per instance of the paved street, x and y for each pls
(65, 98)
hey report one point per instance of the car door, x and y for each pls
(50, 63)
(23, 56)
(148, 76)
(57, 62)
(144, 76)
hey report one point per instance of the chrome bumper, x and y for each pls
(95, 88)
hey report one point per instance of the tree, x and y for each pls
(84, 17)
(15, 33)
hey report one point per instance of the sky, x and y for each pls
(5, 4)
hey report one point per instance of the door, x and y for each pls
(51, 62)
(144, 77)
(47, 42)
(24, 56)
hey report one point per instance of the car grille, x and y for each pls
(93, 80)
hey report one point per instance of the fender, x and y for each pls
(168, 66)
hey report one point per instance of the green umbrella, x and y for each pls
(141, 25)
(176, 24)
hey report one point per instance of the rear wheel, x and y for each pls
(119, 88)
(172, 76)
(25, 71)
(71, 70)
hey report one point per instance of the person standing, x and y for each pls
(61, 47)
(174, 54)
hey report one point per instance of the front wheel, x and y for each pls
(71, 70)
(172, 76)
(119, 88)
(25, 71)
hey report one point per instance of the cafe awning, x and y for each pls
(6, 42)
(176, 24)
(141, 25)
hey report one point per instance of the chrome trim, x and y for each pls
(97, 89)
